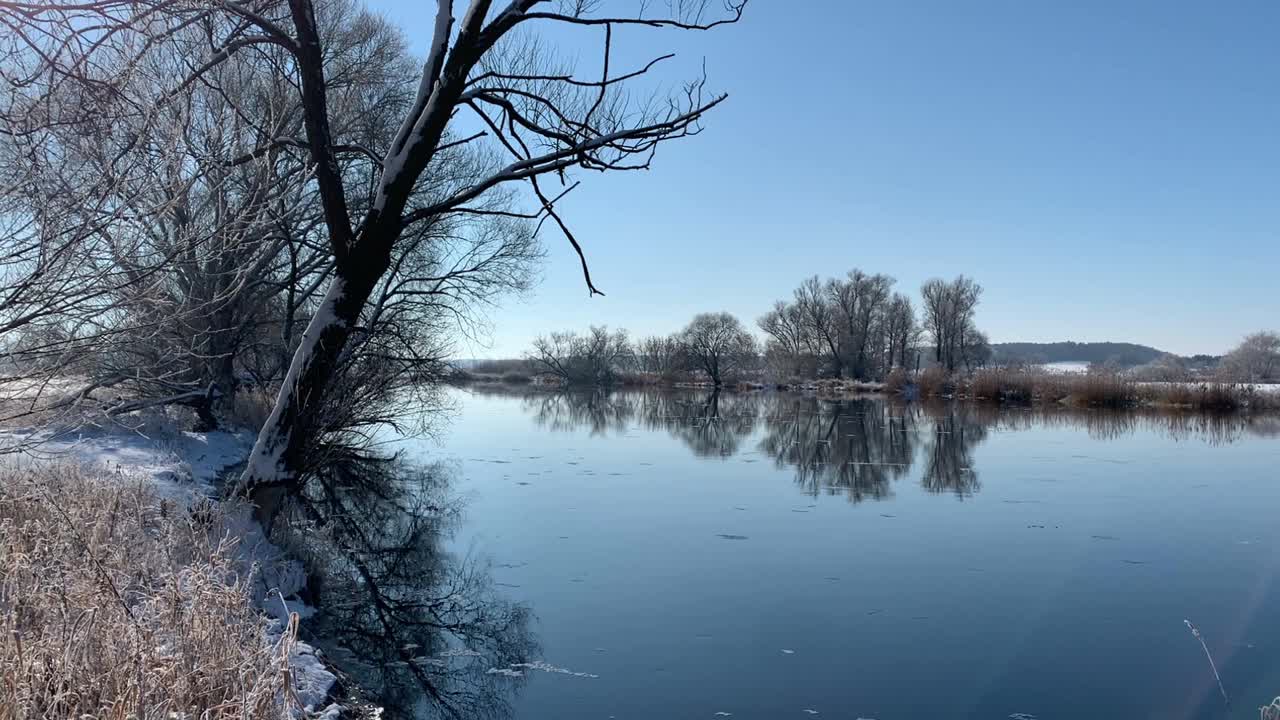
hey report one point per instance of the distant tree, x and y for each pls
(850, 325)
(662, 355)
(591, 359)
(717, 344)
(857, 303)
(1255, 359)
(1166, 368)
(819, 321)
(900, 331)
(785, 326)
(948, 316)
(975, 349)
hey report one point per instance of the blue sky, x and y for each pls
(1107, 171)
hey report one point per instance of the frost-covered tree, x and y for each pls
(1255, 359)
(491, 109)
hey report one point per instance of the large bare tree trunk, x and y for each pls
(278, 457)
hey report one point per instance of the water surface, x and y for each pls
(768, 555)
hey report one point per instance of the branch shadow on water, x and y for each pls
(418, 628)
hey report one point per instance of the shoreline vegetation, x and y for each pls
(1004, 386)
(100, 574)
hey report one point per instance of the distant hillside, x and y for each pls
(1118, 354)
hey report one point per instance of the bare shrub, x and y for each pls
(897, 381)
(118, 605)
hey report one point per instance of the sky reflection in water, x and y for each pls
(770, 555)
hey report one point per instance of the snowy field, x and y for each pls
(1066, 366)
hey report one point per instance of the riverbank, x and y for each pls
(1003, 386)
(117, 555)
(652, 380)
(1095, 389)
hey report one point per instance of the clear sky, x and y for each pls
(1107, 171)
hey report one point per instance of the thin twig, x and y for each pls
(1196, 632)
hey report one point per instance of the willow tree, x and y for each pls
(486, 84)
(543, 118)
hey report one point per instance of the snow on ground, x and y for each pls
(1256, 387)
(1066, 366)
(185, 466)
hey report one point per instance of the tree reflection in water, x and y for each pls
(858, 446)
(417, 627)
(954, 431)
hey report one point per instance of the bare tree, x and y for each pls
(857, 304)
(842, 321)
(718, 345)
(901, 331)
(662, 355)
(537, 120)
(214, 255)
(974, 350)
(785, 326)
(591, 359)
(948, 316)
(1255, 359)
(819, 321)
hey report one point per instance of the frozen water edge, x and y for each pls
(183, 467)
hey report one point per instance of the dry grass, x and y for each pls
(1102, 389)
(1098, 389)
(1005, 386)
(1027, 386)
(116, 605)
(1209, 396)
(935, 382)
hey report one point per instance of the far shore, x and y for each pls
(1012, 387)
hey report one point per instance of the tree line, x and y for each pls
(853, 327)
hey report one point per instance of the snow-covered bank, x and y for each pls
(183, 467)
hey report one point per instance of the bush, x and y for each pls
(118, 605)
(897, 381)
